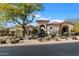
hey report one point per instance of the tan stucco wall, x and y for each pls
(54, 28)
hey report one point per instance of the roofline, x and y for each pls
(67, 22)
(42, 20)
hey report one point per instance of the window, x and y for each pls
(50, 27)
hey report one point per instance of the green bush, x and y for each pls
(34, 32)
(47, 38)
(75, 27)
(57, 38)
(2, 41)
(21, 38)
(74, 38)
(53, 35)
(14, 41)
(40, 39)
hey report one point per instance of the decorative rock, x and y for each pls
(78, 37)
(40, 39)
(57, 38)
(47, 38)
(74, 38)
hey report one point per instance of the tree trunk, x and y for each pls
(27, 34)
(24, 31)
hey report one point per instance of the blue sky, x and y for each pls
(61, 10)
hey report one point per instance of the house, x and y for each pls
(58, 28)
(45, 27)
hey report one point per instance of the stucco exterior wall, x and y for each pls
(54, 29)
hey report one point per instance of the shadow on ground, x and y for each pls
(64, 49)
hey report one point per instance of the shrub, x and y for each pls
(21, 38)
(40, 39)
(47, 38)
(57, 38)
(34, 31)
(74, 38)
(2, 41)
(14, 41)
(53, 35)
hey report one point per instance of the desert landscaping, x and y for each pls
(23, 31)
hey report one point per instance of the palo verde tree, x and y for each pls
(76, 27)
(75, 21)
(21, 13)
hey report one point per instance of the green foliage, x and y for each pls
(2, 41)
(53, 35)
(17, 26)
(34, 31)
(76, 27)
(19, 10)
(21, 13)
(13, 41)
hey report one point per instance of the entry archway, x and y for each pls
(65, 30)
(42, 31)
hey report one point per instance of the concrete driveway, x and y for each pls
(63, 49)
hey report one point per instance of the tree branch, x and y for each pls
(18, 22)
(33, 16)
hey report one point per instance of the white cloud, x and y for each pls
(56, 20)
(41, 18)
(37, 15)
